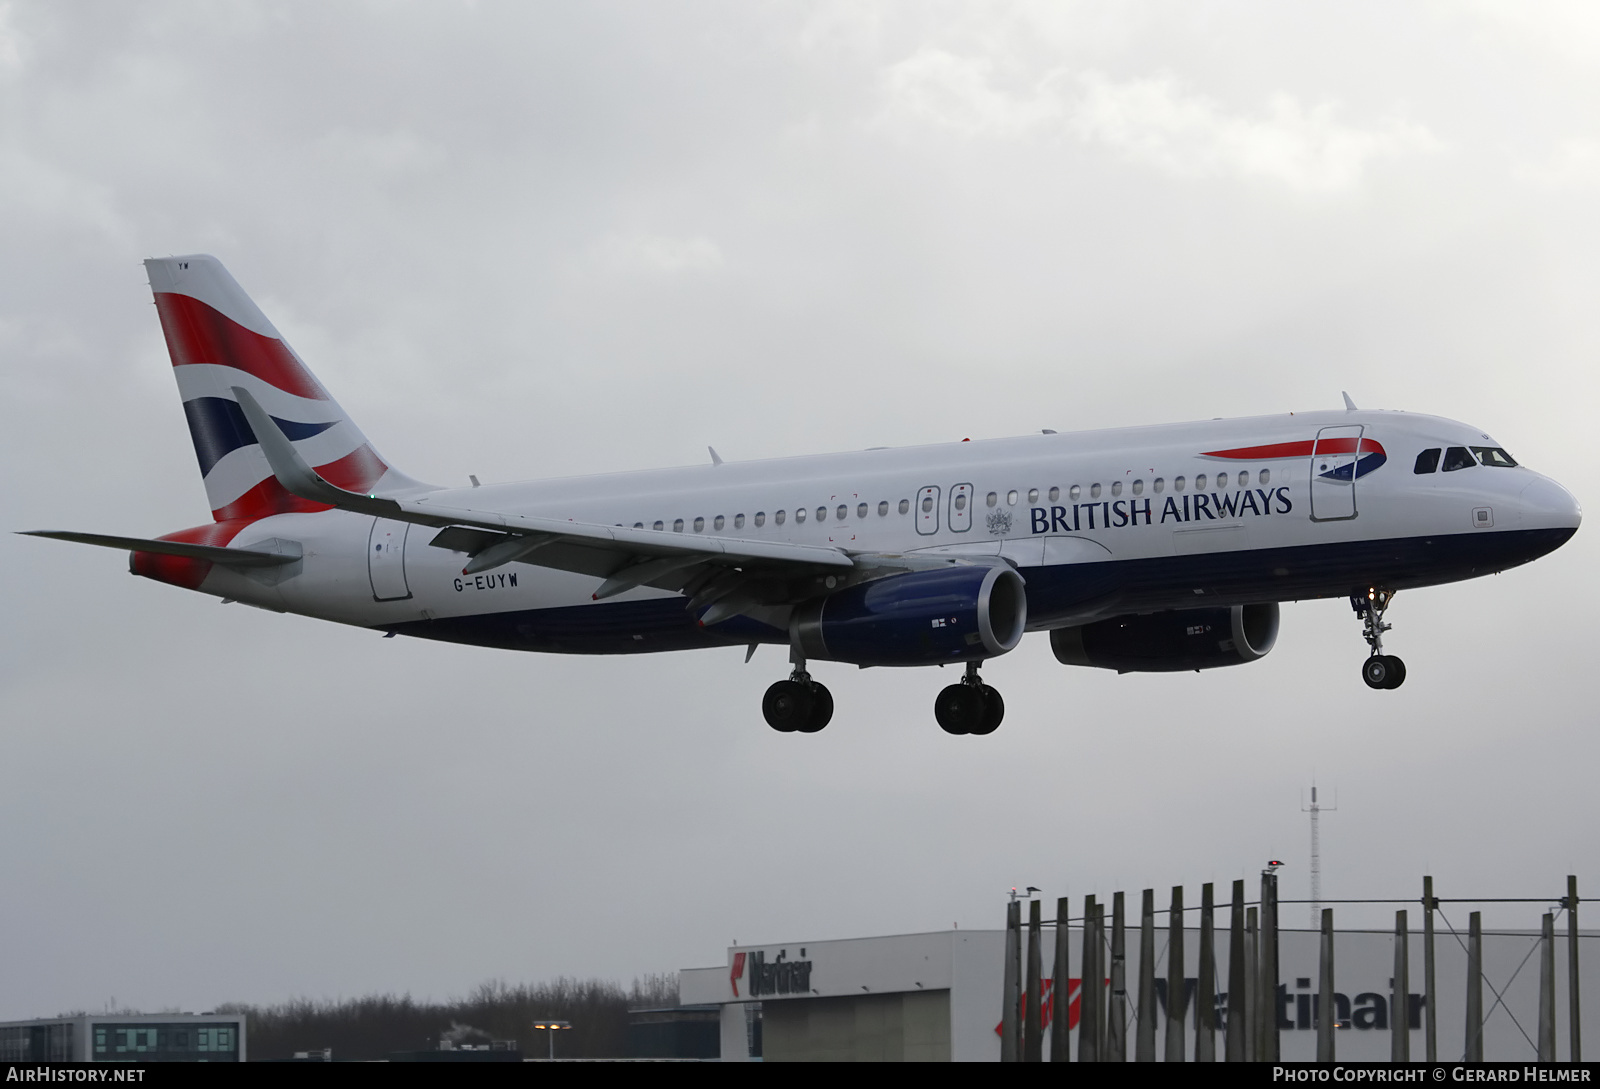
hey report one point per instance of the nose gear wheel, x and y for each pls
(1380, 670)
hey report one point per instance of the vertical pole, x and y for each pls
(1431, 1024)
(1089, 991)
(1473, 1052)
(1400, 995)
(1102, 973)
(1013, 985)
(1061, 989)
(1033, 1018)
(1144, 1049)
(1574, 1037)
(1252, 982)
(1238, 1011)
(1327, 1013)
(1117, 1019)
(1547, 989)
(1205, 1014)
(1175, 995)
(1267, 988)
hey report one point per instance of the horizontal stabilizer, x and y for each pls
(232, 557)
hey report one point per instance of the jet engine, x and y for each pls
(953, 614)
(1171, 641)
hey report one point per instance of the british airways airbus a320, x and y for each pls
(1141, 549)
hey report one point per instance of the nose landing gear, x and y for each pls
(1380, 670)
(970, 707)
(799, 704)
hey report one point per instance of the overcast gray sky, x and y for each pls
(521, 240)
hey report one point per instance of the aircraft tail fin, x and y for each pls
(218, 340)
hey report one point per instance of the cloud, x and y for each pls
(654, 253)
(1575, 164)
(1156, 121)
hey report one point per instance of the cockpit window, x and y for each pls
(1428, 461)
(1457, 457)
(1495, 457)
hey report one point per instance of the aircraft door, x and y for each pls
(960, 508)
(928, 511)
(386, 559)
(1333, 473)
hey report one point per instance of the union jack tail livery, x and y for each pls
(219, 339)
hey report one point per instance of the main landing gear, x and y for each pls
(1380, 670)
(970, 707)
(799, 704)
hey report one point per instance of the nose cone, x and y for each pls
(1547, 505)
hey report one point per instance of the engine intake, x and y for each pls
(1172, 641)
(954, 614)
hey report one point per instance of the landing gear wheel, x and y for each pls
(994, 709)
(821, 710)
(959, 709)
(789, 705)
(1380, 670)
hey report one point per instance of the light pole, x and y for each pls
(550, 1030)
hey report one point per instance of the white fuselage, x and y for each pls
(1096, 522)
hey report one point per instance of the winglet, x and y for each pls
(292, 471)
(1349, 405)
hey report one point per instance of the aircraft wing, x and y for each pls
(708, 569)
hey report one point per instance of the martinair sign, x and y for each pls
(764, 978)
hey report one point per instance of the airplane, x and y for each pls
(1146, 549)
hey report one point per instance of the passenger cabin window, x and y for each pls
(1011, 498)
(1428, 461)
(1458, 457)
(738, 522)
(1094, 491)
(991, 499)
(677, 525)
(1177, 483)
(1494, 457)
(1138, 487)
(905, 505)
(842, 513)
(822, 514)
(638, 525)
(1116, 487)
(718, 522)
(861, 510)
(778, 518)
(1265, 476)
(1159, 484)
(699, 525)
(883, 509)
(961, 501)
(658, 524)
(1200, 482)
(1055, 494)
(1033, 495)
(761, 519)
(800, 515)
(1074, 492)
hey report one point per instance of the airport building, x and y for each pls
(937, 996)
(122, 1038)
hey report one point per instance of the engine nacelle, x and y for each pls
(953, 614)
(1171, 641)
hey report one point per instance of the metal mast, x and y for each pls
(1316, 857)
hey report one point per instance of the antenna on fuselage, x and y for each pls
(1349, 405)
